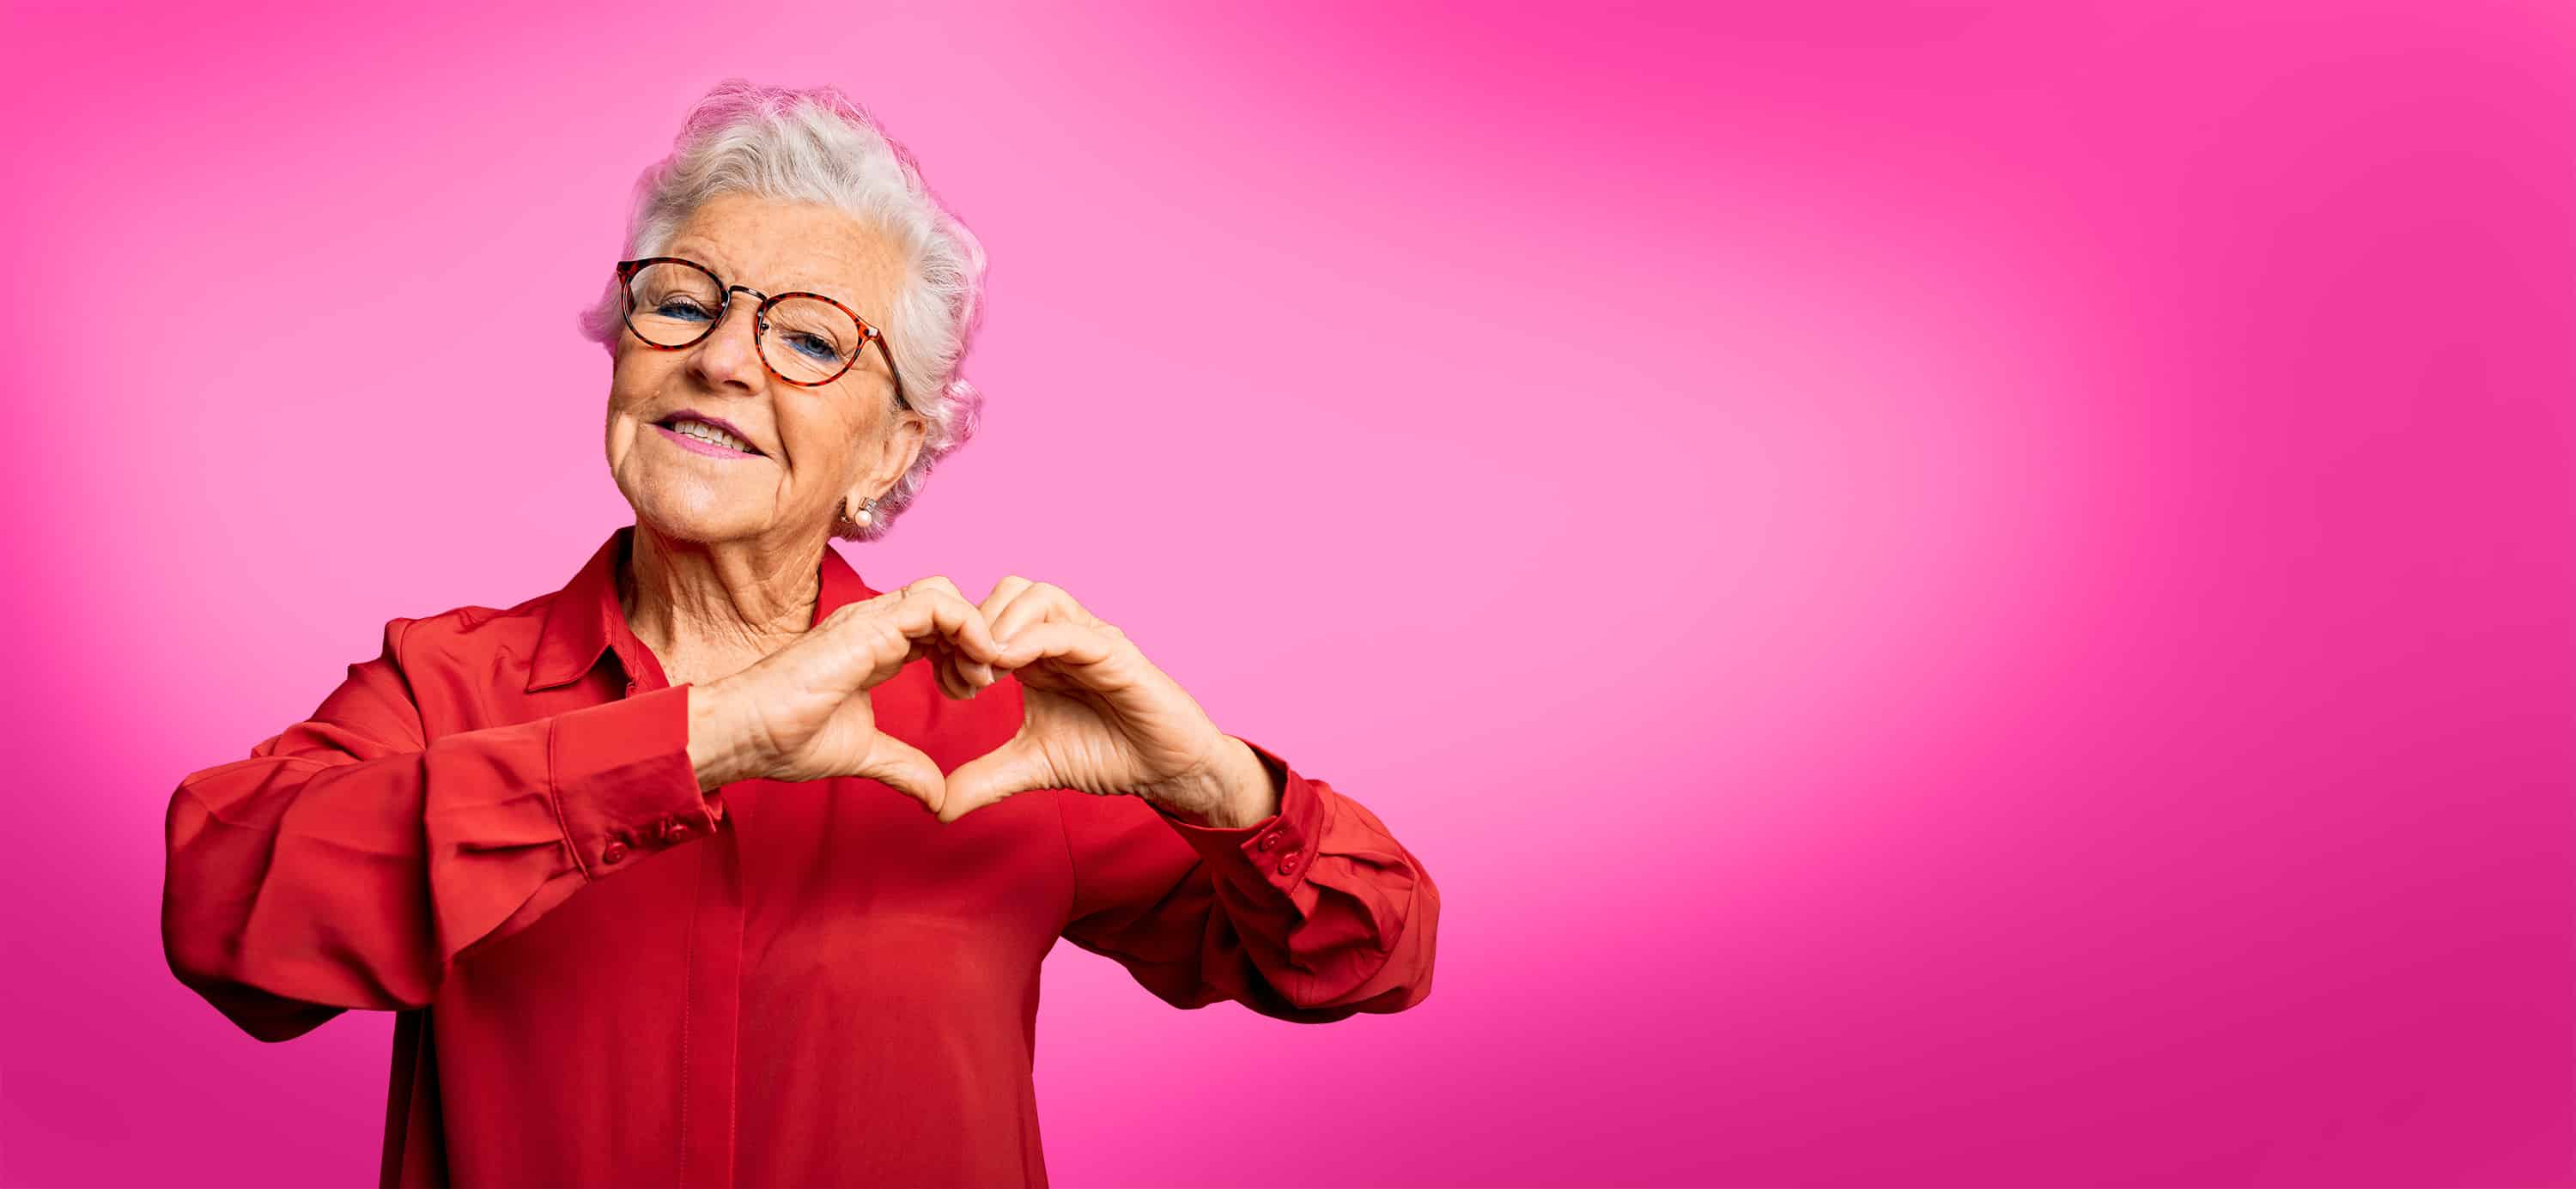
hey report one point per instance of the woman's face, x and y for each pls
(816, 445)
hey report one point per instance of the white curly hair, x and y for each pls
(815, 145)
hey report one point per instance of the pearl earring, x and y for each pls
(864, 516)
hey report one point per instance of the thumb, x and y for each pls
(905, 769)
(1014, 767)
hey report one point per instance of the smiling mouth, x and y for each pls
(712, 444)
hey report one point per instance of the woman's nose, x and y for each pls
(731, 351)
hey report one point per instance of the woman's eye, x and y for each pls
(814, 347)
(679, 307)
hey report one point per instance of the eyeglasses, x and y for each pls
(672, 303)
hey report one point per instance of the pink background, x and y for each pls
(1954, 594)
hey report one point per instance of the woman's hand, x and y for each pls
(802, 712)
(1098, 716)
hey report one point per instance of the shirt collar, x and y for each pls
(583, 619)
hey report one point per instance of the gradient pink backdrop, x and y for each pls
(1955, 594)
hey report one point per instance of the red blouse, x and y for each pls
(607, 977)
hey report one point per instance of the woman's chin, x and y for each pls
(695, 520)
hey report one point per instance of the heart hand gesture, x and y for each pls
(1097, 716)
(802, 712)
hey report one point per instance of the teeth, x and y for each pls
(708, 433)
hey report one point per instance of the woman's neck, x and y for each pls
(694, 601)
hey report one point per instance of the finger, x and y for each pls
(946, 667)
(1004, 593)
(939, 582)
(946, 663)
(966, 673)
(969, 637)
(1039, 602)
(1000, 599)
(980, 670)
(915, 621)
(863, 645)
(1014, 767)
(905, 769)
(949, 617)
(961, 674)
(965, 670)
(1089, 655)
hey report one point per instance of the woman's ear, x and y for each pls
(895, 454)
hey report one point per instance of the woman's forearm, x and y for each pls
(724, 743)
(350, 858)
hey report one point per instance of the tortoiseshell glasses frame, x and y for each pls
(626, 270)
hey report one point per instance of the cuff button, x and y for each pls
(1287, 863)
(1268, 841)
(615, 851)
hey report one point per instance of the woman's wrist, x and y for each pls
(720, 747)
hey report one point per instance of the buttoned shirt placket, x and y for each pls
(710, 1037)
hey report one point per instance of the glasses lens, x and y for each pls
(810, 341)
(672, 304)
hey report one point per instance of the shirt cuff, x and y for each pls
(1275, 851)
(622, 780)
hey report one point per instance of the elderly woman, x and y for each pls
(719, 865)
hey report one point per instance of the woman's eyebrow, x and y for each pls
(700, 254)
(703, 256)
